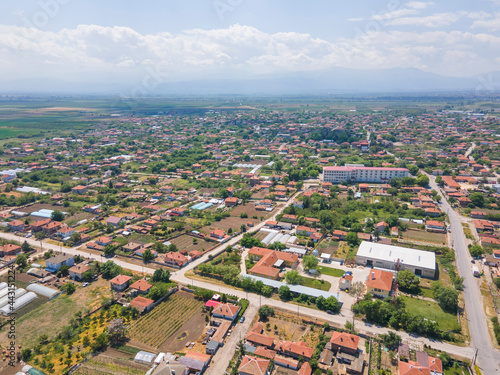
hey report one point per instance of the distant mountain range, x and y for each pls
(331, 81)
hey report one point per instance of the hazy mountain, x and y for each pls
(331, 81)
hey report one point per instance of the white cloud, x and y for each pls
(434, 20)
(102, 50)
(419, 4)
(491, 24)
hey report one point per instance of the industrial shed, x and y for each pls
(421, 263)
(18, 303)
(43, 290)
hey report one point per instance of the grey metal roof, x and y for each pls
(192, 363)
(299, 289)
(389, 253)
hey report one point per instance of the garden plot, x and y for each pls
(154, 328)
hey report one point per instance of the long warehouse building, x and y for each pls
(421, 263)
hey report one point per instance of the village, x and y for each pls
(254, 243)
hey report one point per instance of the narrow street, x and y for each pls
(487, 357)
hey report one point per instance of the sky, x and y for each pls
(175, 40)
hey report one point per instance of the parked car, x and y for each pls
(85, 284)
(330, 312)
(242, 319)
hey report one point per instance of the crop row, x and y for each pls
(161, 323)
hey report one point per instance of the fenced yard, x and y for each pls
(154, 328)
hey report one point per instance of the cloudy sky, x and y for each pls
(176, 40)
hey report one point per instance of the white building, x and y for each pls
(421, 263)
(362, 174)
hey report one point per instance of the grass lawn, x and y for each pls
(461, 371)
(335, 272)
(308, 281)
(426, 292)
(432, 311)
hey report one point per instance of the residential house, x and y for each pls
(53, 264)
(270, 262)
(176, 259)
(104, 241)
(80, 189)
(379, 283)
(65, 232)
(114, 221)
(226, 311)
(10, 250)
(344, 342)
(253, 366)
(231, 201)
(435, 226)
(38, 225)
(16, 225)
(76, 272)
(140, 287)
(142, 304)
(339, 235)
(305, 231)
(294, 349)
(195, 362)
(218, 234)
(120, 283)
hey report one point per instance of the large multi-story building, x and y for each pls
(362, 174)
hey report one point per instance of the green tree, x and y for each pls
(352, 238)
(310, 262)
(110, 250)
(284, 292)
(63, 271)
(446, 296)
(476, 251)
(267, 291)
(110, 269)
(69, 288)
(265, 312)
(422, 180)
(100, 343)
(75, 238)
(391, 340)
(26, 247)
(293, 277)
(117, 332)
(22, 260)
(57, 215)
(147, 256)
(408, 282)
(161, 275)
(477, 199)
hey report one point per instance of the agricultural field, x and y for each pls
(423, 236)
(49, 317)
(328, 247)
(231, 222)
(185, 242)
(111, 364)
(249, 209)
(154, 328)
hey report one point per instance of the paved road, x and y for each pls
(257, 301)
(225, 354)
(469, 150)
(488, 358)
